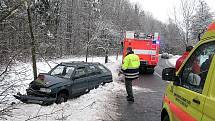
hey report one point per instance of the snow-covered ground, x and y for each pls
(173, 59)
(98, 104)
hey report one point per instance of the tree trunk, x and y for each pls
(88, 35)
(33, 49)
(87, 53)
(117, 54)
(106, 56)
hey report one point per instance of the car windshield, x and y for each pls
(62, 71)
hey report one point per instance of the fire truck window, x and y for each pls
(195, 71)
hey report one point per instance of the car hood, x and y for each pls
(49, 80)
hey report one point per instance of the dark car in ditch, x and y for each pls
(64, 81)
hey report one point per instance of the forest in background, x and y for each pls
(47, 29)
(90, 27)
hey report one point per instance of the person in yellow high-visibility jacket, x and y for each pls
(130, 69)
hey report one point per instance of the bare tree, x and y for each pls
(183, 18)
(200, 20)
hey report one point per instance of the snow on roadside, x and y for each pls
(98, 104)
(173, 60)
(88, 107)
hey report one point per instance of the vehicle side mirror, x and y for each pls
(169, 74)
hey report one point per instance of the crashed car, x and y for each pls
(64, 81)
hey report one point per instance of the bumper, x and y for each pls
(38, 93)
(146, 64)
(35, 99)
(143, 63)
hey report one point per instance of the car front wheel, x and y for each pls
(61, 98)
(103, 83)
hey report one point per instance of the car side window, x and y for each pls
(63, 71)
(68, 72)
(92, 70)
(194, 73)
(80, 72)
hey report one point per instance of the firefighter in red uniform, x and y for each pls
(183, 57)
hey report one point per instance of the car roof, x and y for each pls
(78, 63)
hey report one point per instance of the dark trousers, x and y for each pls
(128, 86)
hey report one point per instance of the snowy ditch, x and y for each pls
(98, 104)
(172, 60)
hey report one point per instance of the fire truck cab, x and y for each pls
(146, 46)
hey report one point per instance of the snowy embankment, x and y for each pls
(173, 59)
(98, 104)
(88, 107)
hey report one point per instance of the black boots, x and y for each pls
(131, 99)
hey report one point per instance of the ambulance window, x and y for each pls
(195, 71)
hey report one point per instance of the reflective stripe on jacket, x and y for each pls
(131, 73)
(130, 66)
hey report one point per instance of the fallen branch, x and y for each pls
(10, 61)
(37, 116)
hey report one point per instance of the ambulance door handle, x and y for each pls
(196, 101)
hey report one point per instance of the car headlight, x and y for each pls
(45, 90)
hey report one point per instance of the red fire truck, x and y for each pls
(146, 46)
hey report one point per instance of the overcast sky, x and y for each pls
(162, 9)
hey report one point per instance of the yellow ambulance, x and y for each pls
(190, 95)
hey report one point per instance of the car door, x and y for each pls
(209, 107)
(80, 83)
(93, 76)
(62, 74)
(68, 72)
(105, 75)
(190, 94)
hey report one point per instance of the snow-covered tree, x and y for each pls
(183, 18)
(202, 18)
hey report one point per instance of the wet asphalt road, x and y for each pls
(148, 97)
